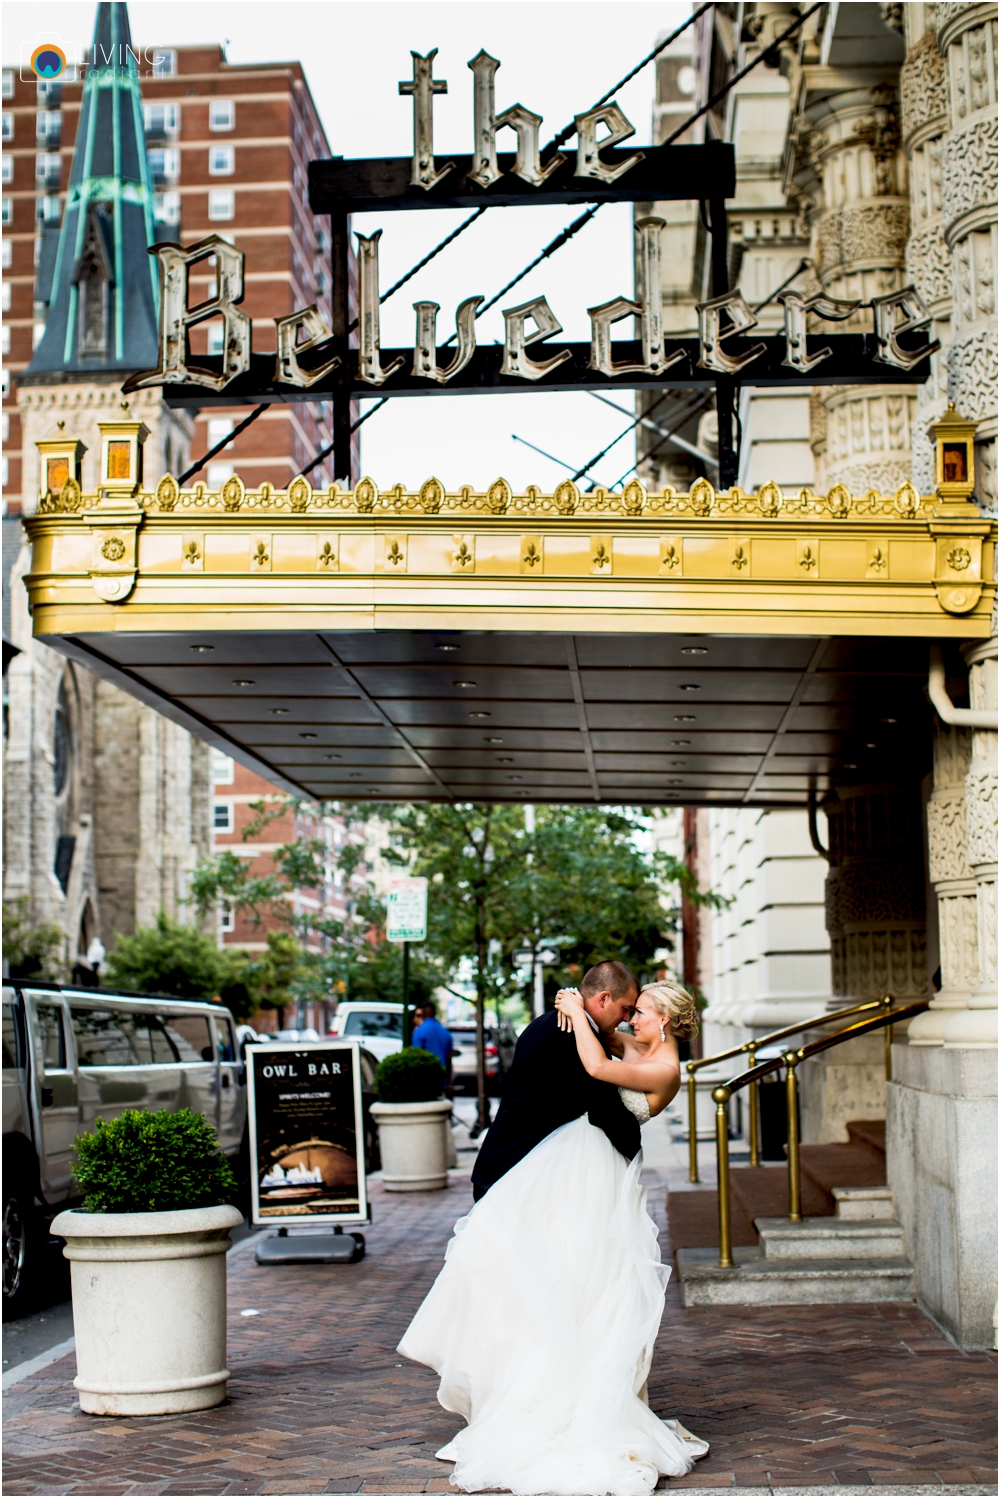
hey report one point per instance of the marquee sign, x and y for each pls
(314, 360)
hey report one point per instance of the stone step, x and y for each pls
(864, 1203)
(869, 1134)
(755, 1281)
(828, 1238)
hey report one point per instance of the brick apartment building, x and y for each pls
(235, 790)
(228, 149)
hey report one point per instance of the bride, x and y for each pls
(542, 1321)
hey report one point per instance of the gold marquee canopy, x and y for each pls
(704, 647)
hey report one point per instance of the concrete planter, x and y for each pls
(413, 1139)
(149, 1308)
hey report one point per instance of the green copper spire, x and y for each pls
(102, 313)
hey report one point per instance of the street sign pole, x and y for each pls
(407, 1027)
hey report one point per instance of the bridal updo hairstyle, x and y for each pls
(675, 1004)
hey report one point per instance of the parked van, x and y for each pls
(74, 1055)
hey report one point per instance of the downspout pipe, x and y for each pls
(937, 691)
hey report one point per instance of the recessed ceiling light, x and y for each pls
(684, 718)
(479, 715)
(871, 746)
(244, 681)
(278, 712)
(446, 647)
(308, 735)
(515, 777)
(505, 759)
(463, 683)
(492, 741)
(680, 743)
(693, 650)
(690, 686)
(201, 649)
(889, 720)
(848, 767)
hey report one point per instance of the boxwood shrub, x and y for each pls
(153, 1162)
(410, 1076)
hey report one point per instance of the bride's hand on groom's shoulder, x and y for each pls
(567, 1001)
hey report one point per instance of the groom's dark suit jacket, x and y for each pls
(548, 1086)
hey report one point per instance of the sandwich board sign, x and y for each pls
(406, 910)
(307, 1134)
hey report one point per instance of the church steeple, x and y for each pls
(102, 312)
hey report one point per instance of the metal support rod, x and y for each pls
(887, 1001)
(720, 1096)
(340, 269)
(407, 1028)
(791, 1060)
(753, 1103)
(692, 1124)
(725, 386)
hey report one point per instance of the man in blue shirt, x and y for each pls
(431, 1035)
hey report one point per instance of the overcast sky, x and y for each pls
(557, 58)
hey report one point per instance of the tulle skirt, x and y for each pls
(541, 1325)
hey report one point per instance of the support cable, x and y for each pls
(189, 472)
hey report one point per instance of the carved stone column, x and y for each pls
(978, 1024)
(967, 37)
(954, 885)
(924, 117)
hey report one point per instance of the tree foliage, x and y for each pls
(31, 951)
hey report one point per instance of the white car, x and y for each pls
(378, 1024)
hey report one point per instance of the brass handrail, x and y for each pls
(790, 1060)
(751, 1047)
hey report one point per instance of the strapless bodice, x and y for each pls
(636, 1103)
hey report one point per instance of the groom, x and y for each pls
(547, 1085)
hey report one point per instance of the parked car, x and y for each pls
(74, 1055)
(378, 1024)
(500, 1043)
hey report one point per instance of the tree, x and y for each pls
(30, 951)
(580, 880)
(171, 958)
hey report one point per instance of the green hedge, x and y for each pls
(410, 1076)
(153, 1162)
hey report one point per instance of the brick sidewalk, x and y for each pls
(794, 1397)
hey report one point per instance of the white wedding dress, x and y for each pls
(542, 1322)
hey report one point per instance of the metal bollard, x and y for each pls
(791, 1060)
(692, 1123)
(720, 1096)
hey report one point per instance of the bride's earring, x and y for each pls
(662, 1033)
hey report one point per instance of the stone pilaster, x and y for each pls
(967, 38)
(977, 1025)
(954, 885)
(924, 118)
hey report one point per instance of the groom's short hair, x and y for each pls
(615, 977)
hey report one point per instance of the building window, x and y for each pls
(227, 920)
(6, 254)
(47, 210)
(4, 384)
(164, 63)
(161, 120)
(37, 333)
(218, 473)
(222, 114)
(8, 83)
(216, 338)
(4, 471)
(7, 211)
(222, 819)
(93, 278)
(164, 165)
(48, 168)
(219, 427)
(166, 207)
(49, 90)
(48, 126)
(5, 297)
(8, 124)
(7, 168)
(221, 204)
(223, 768)
(221, 161)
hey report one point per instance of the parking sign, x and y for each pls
(406, 910)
